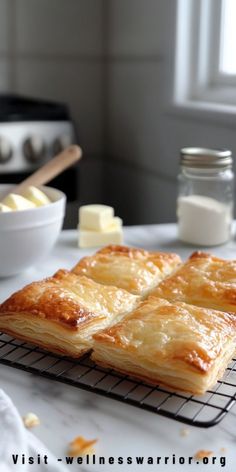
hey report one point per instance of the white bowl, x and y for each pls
(26, 236)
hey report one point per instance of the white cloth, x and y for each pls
(16, 439)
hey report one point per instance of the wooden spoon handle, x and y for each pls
(51, 169)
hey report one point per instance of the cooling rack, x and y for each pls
(202, 411)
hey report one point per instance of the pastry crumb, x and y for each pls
(223, 449)
(81, 446)
(202, 453)
(184, 432)
(31, 420)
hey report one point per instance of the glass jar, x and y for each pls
(205, 196)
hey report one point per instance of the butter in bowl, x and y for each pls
(32, 197)
(31, 215)
(29, 227)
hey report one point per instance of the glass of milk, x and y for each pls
(205, 196)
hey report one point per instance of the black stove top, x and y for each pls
(19, 108)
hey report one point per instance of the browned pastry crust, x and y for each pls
(62, 312)
(179, 345)
(135, 270)
(175, 344)
(203, 280)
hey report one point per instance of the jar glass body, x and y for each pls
(205, 205)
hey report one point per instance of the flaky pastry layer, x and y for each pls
(179, 345)
(62, 312)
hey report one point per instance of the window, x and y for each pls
(205, 69)
(227, 53)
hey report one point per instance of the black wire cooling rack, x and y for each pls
(203, 411)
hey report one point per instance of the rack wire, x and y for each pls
(202, 411)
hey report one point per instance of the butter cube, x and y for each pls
(116, 223)
(112, 235)
(4, 208)
(17, 202)
(36, 196)
(95, 217)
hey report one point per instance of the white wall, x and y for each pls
(144, 134)
(135, 110)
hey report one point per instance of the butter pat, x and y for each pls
(4, 208)
(36, 196)
(17, 202)
(112, 235)
(95, 217)
(98, 226)
(115, 223)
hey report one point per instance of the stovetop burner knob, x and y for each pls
(34, 148)
(5, 150)
(60, 143)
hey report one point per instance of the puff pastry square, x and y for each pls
(135, 270)
(178, 345)
(204, 280)
(62, 312)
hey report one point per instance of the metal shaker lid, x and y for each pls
(205, 158)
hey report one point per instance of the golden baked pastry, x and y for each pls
(179, 345)
(135, 270)
(203, 280)
(62, 312)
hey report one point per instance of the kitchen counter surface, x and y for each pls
(122, 430)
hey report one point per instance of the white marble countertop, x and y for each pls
(122, 430)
